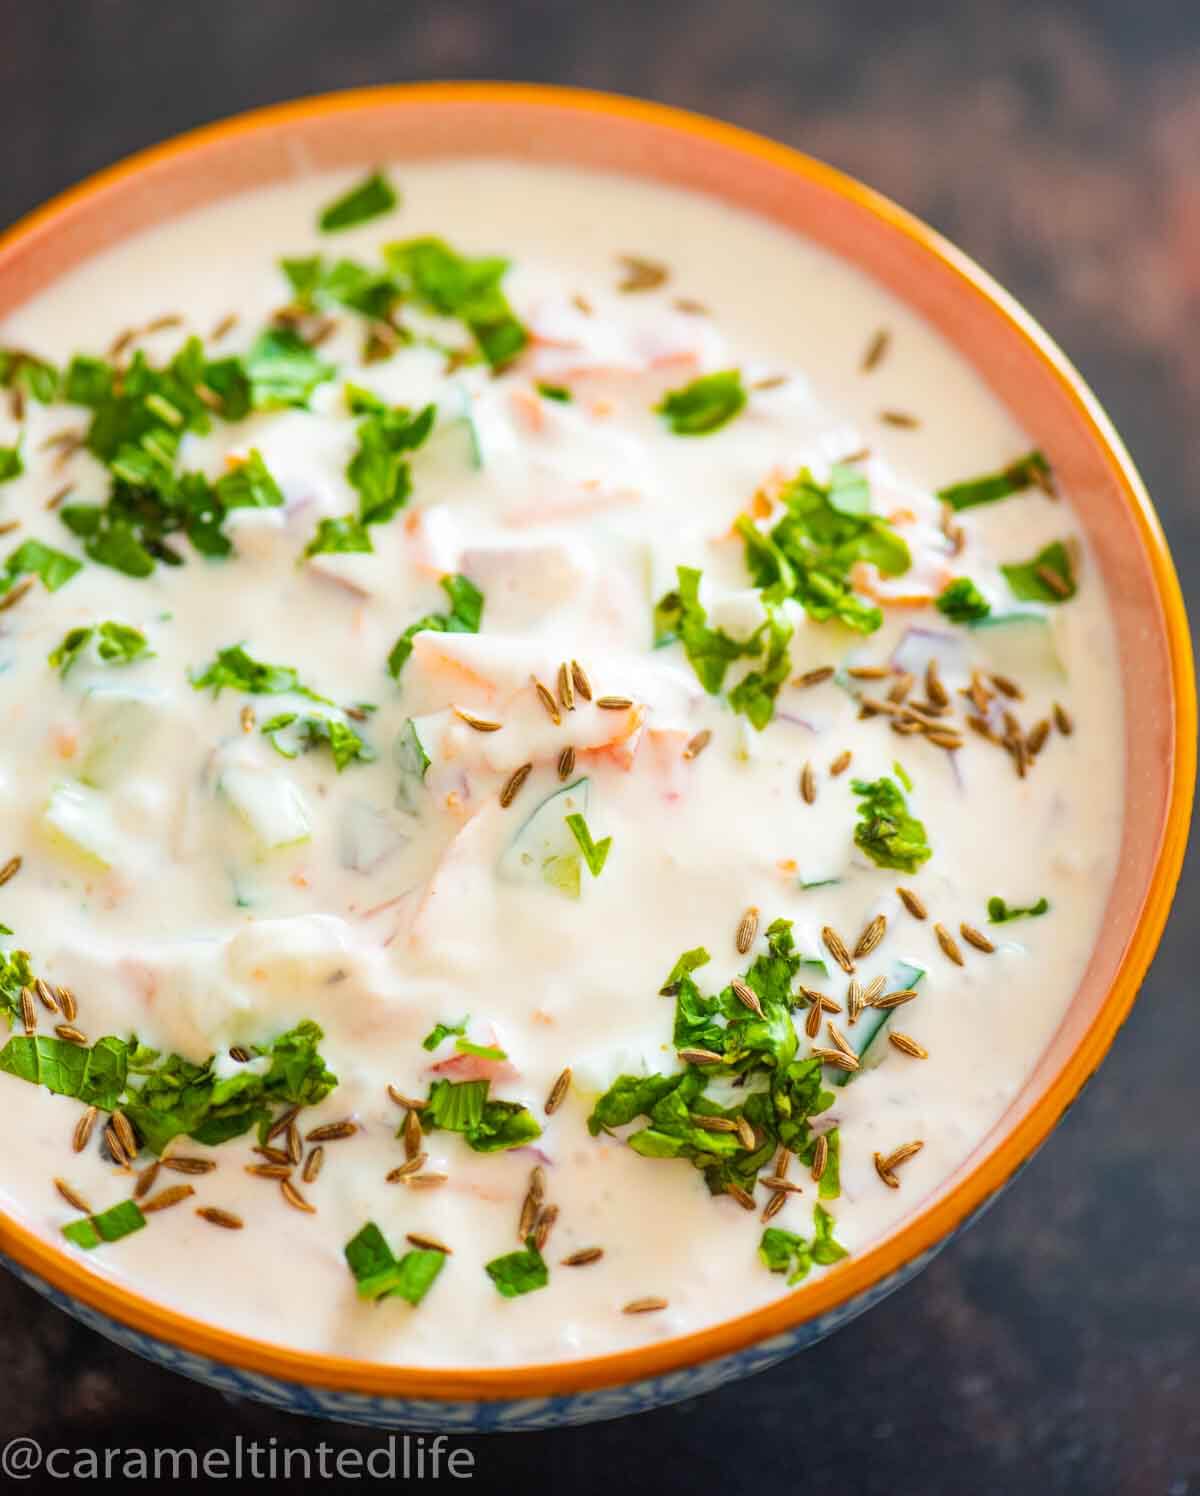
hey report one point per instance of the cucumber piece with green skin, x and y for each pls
(543, 850)
(1020, 644)
(866, 1036)
(269, 804)
(119, 723)
(78, 819)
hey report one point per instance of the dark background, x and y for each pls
(1056, 1346)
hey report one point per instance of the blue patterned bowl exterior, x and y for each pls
(519, 1414)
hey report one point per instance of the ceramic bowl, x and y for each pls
(1049, 400)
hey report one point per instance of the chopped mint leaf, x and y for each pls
(305, 732)
(110, 1225)
(32, 558)
(830, 1186)
(248, 486)
(886, 831)
(378, 471)
(371, 293)
(681, 615)
(487, 1126)
(1045, 579)
(1000, 913)
(116, 644)
(452, 285)
(283, 370)
(705, 405)
(557, 392)
(95, 1075)
(11, 465)
(754, 695)
(15, 973)
(518, 1272)
(371, 198)
(464, 617)
(341, 536)
(785, 1252)
(378, 1274)
(441, 1031)
(31, 375)
(1029, 471)
(595, 853)
(234, 668)
(962, 602)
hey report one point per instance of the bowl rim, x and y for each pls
(858, 1275)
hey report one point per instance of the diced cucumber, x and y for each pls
(456, 436)
(1020, 643)
(79, 820)
(866, 1036)
(543, 850)
(269, 803)
(119, 723)
(368, 836)
(413, 762)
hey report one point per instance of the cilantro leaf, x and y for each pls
(11, 464)
(1029, 471)
(962, 601)
(309, 731)
(1000, 913)
(248, 486)
(341, 536)
(448, 284)
(234, 668)
(754, 695)
(282, 370)
(378, 470)
(595, 854)
(116, 644)
(705, 405)
(378, 1274)
(487, 1126)
(464, 617)
(371, 198)
(1047, 578)
(32, 558)
(681, 615)
(785, 1252)
(442, 1031)
(110, 1225)
(886, 831)
(518, 1272)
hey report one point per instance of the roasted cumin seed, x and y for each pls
(934, 688)
(700, 1056)
(815, 677)
(66, 1003)
(871, 936)
(1038, 734)
(583, 1257)
(1062, 720)
(948, 740)
(893, 999)
(775, 1204)
(1057, 583)
(281, 1123)
(28, 1011)
(746, 1134)
(836, 947)
(837, 1058)
(976, 938)
(545, 1222)
(558, 1091)
(428, 1243)
(868, 672)
(513, 783)
(426, 1181)
(812, 1023)
(295, 1148)
(312, 1165)
(885, 1173)
(898, 691)
(614, 703)
(294, 1198)
(270, 1171)
(223, 1218)
(406, 1170)
(72, 1196)
(783, 1160)
(901, 1155)
(840, 764)
(808, 784)
(912, 903)
(180, 1163)
(329, 1132)
(641, 274)
(647, 1305)
(1007, 687)
(903, 420)
(411, 1133)
(530, 1207)
(747, 997)
(746, 931)
(778, 1182)
(948, 944)
(876, 351)
(820, 1156)
(410, 1103)
(482, 724)
(566, 763)
(83, 1129)
(113, 1143)
(10, 870)
(698, 744)
(546, 697)
(907, 1045)
(712, 1124)
(566, 688)
(579, 676)
(145, 1180)
(272, 1155)
(743, 1197)
(124, 1130)
(71, 1034)
(172, 1195)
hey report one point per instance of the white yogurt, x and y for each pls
(381, 924)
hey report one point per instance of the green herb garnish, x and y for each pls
(681, 615)
(32, 558)
(518, 1272)
(1026, 472)
(309, 731)
(886, 831)
(379, 472)
(1045, 579)
(110, 1225)
(705, 405)
(595, 854)
(234, 668)
(487, 1126)
(31, 375)
(371, 198)
(379, 1274)
(11, 465)
(448, 284)
(785, 1252)
(999, 913)
(962, 602)
(116, 644)
(464, 617)
(441, 1031)
(557, 392)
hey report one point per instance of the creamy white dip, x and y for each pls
(192, 886)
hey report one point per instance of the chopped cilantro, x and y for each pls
(31, 375)
(282, 370)
(464, 617)
(487, 1126)
(518, 1272)
(248, 486)
(595, 854)
(378, 471)
(372, 293)
(379, 1274)
(705, 405)
(681, 615)
(116, 644)
(307, 731)
(234, 668)
(371, 198)
(110, 1225)
(1028, 579)
(448, 284)
(11, 465)
(557, 392)
(785, 1252)
(32, 558)
(754, 695)
(441, 1031)
(1000, 913)
(1026, 472)
(886, 831)
(962, 601)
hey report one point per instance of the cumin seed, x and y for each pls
(746, 1134)
(71, 1034)
(854, 999)
(647, 1305)
(294, 1198)
(113, 1143)
(614, 703)
(700, 1056)
(697, 745)
(428, 1243)
(1062, 720)
(172, 1195)
(83, 1129)
(976, 938)
(948, 944)
(912, 903)
(885, 1173)
(223, 327)
(907, 1045)
(410, 1103)
(124, 1130)
(566, 688)
(270, 1171)
(272, 1155)
(840, 764)
(426, 1181)
(14, 594)
(808, 784)
(223, 1218)
(743, 1197)
(295, 1149)
(1036, 740)
(312, 1165)
(481, 724)
(868, 672)
(513, 783)
(712, 1124)
(783, 1160)
(903, 420)
(838, 1058)
(815, 677)
(871, 936)
(566, 763)
(558, 1091)
(412, 1134)
(72, 1196)
(775, 1204)
(641, 274)
(1007, 687)
(840, 1041)
(281, 1123)
(583, 1257)
(28, 1011)
(329, 1132)
(948, 740)
(1056, 583)
(747, 997)
(689, 307)
(820, 1156)
(546, 697)
(406, 1170)
(746, 931)
(145, 1180)
(836, 947)
(545, 1222)
(873, 988)
(778, 1182)
(66, 1003)
(580, 679)
(180, 1163)
(876, 351)
(10, 870)
(902, 1154)
(893, 999)
(812, 1023)
(247, 718)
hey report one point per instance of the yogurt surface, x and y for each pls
(207, 853)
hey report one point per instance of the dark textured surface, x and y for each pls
(1056, 1347)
